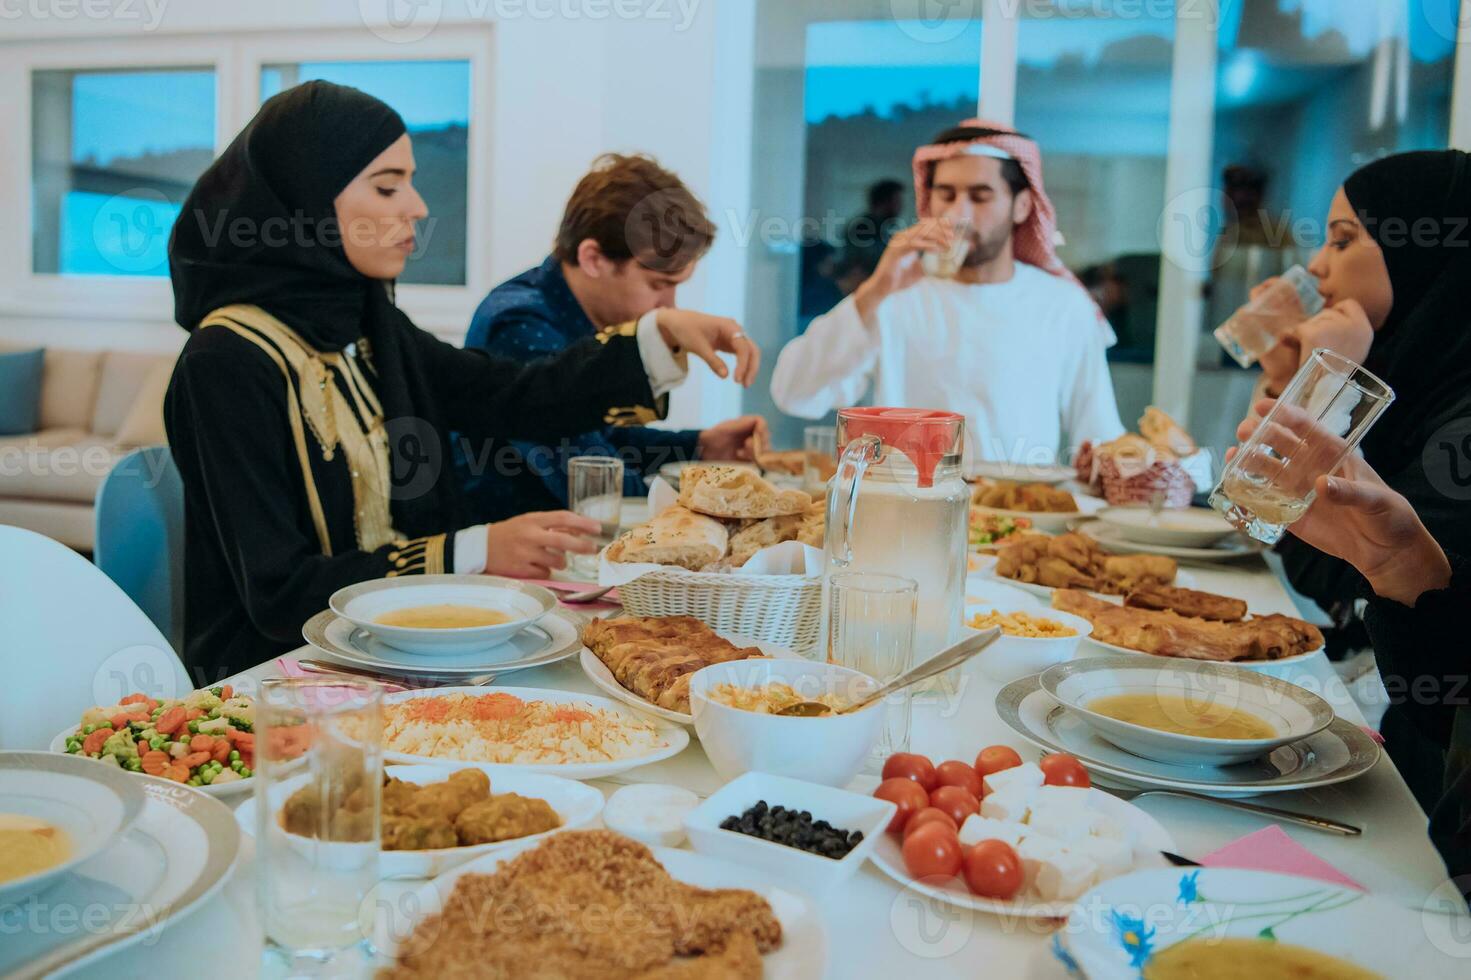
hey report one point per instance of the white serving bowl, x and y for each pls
(1187, 527)
(1296, 713)
(830, 749)
(841, 808)
(1011, 657)
(363, 603)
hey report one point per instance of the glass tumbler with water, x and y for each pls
(946, 264)
(1254, 329)
(871, 630)
(1323, 414)
(820, 457)
(318, 786)
(595, 490)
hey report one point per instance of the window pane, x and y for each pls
(113, 155)
(434, 99)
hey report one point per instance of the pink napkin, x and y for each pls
(1270, 849)
(609, 601)
(289, 667)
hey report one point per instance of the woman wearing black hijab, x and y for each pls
(309, 417)
(1396, 275)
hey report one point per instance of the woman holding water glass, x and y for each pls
(309, 417)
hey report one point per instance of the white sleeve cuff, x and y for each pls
(470, 550)
(665, 371)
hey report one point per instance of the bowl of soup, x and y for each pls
(439, 615)
(56, 811)
(1184, 712)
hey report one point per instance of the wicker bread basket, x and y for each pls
(784, 610)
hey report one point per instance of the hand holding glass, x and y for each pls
(1283, 303)
(947, 264)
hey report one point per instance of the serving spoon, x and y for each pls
(952, 656)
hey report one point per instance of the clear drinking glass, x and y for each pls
(820, 444)
(1253, 330)
(595, 489)
(947, 264)
(1326, 410)
(318, 787)
(871, 630)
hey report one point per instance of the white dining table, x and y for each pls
(877, 928)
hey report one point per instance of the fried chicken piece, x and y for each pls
(1059, 574)
(402, 833)
(739, 959)
(1168, 634)
(1077, 550)
(504, 817)
(397, 795)
(1123, 573)
(1187, 602)
(1283, 636)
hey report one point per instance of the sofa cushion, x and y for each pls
(123, 377)
(143, 425)
(20, 391)
(69, 388)
(55, 464)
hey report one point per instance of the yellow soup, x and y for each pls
(29, 845)
(1260, 959)
(444, 616)
(1182, 716)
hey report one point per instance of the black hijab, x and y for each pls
(260, 227)
(1417, 206)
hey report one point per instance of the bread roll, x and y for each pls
(731, 491)
(675, 537)
(1165, 433)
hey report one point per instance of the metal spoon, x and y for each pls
(433, 680)
(950, 657)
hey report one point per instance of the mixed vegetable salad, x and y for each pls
(204, 739)
(989, 529)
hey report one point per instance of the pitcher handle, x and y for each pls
(857, 455)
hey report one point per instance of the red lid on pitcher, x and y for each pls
(925, 435)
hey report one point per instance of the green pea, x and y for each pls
(206, 776)
(244, 771)
(193, 781)
(157, 742)
(194, 727)
(237, 765)
(89, 729)
(234, 755)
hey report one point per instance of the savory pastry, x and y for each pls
(1074, 561)
(505, 817)
(1188, 602)
(676, 536)
(655, 656)
(1166, 633)
(789, 461)
(1030, 497)
(806, 527)
(735, 492)
(1165, 433)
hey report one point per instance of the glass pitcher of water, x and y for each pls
(898, 506)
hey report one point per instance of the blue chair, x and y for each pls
(140, 536)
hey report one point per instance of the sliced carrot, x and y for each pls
(170, 721)
(194, 758)
(142, 747)
(93, 743)
(133, 699)
(154, 762)
(177, 773)
(201, 743)
(221, 750)
(194, 713)
(226, 692)
(240, 739)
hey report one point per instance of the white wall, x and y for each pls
(571, 79)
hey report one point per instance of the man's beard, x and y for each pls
(985, 249)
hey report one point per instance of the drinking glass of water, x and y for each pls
(1326, 410)
(1254, 329)
(820, 457)
(595, 489)
(871, 630)
(947, 264)
(318, 786)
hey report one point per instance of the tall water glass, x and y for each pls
(595, 489)
(820, 459)
(318, 786)
(947, 264)
(1326, 410)
(871, 630)
(1254, 329)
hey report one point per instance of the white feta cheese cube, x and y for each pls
(978, 828)
(1028, 775)
(1061, 824)
(1065, 876)
(1074, 798)
(1106, 827)
(1113, 857)
(1035, 851)
(1010, 805)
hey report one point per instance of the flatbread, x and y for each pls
(733, 492)
(676, 536)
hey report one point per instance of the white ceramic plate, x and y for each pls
(176, 855)
(1020, 472)
(1338, 753)
(232, 788)
(603, 679)
(1294, 713)
(1053, 521)
(1183, 527)
(1146, 836)
(984, 570)
(363, 603)
(90, 802)
(576, 803)
(983, 595)
(801, 955)
(1118, 926)
(1230, 548)
(672, 739)
(1261, 666)
(554, 637)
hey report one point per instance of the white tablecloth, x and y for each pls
(877, 929)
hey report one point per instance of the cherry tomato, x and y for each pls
(1064, 770)
(908, 765)
(992, 869)
(957, 801)
(957, 773)
(908, 795)
(928, 816)
(994, 758)
(933, 852)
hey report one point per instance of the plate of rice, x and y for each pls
(579, 736)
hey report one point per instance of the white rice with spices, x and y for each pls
(502, 728)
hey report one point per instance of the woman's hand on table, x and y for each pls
(1357, 517)
(706, 337)
(534, 545)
